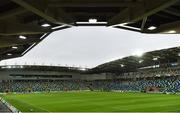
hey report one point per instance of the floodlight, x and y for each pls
(171, 31)
(141, 61)
(138, 53)
(45, 25)
(122, 65)
(14, 47)
(22, 37)
(9, 54)
(155, 59)
(152, 28)
(92, 20)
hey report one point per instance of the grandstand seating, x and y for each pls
(170, 84)
(166, 84)
(41, 85)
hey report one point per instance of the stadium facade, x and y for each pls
(29, 72)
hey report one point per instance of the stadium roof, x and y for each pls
(41, 68)
(149, 59)
(24, 23)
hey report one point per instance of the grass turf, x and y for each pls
(94, 102)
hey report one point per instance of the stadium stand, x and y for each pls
(163, 84)
(170, 84)
(160, 75)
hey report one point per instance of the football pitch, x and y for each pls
(94, 102)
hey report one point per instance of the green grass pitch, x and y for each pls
(94, 102)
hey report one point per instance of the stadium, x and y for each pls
(142, 82)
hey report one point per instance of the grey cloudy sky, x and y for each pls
(91, 46)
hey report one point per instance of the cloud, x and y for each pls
(91, 46)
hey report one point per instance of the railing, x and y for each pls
(12, 108)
